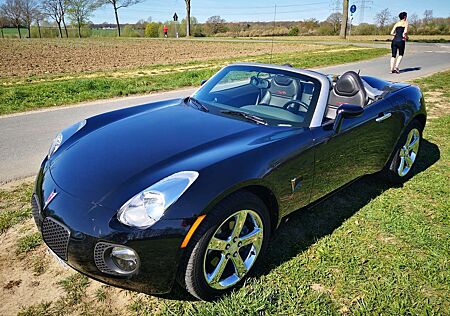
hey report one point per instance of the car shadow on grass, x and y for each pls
(306, 226)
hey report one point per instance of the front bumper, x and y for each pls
(77, 227)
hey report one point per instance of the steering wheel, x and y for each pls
(296, 104)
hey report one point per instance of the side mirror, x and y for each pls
(203, 82)
(346, 111)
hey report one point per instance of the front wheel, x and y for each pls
(401, 166)
(226, 246)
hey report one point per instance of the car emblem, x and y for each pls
(50, 198)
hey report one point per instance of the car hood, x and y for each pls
(136, 143)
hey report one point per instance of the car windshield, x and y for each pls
(264, 95)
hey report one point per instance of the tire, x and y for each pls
(399, 169)
(196, 273)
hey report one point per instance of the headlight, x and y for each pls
(147, 207)
(64, 135)
(55, 145)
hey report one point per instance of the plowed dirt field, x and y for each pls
(23, 58)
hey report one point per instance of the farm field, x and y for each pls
(55, 56)
(71, 71)
(371, 249)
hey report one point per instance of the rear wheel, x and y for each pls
(401, 166)
(226, 246)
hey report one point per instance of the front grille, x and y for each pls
(56, 236)
(99, 257)
(35, 209)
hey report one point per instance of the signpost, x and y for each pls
(175, 19)
(352, 11)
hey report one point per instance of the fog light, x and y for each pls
(125, 259)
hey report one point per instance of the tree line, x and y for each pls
(28, 13)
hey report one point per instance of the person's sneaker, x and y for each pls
(397, 71)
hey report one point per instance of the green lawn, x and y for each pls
(372, 249)
(36, 93)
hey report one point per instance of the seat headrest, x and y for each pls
(282, 80)
(349, 84)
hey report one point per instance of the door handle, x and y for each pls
(384, 117)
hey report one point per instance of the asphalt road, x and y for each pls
(25, 137)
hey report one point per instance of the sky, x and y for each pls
(263, 10)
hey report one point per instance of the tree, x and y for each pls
(62, 8)
(12, 10)
(215, 24)
(344, 23)
(383, 17)
(30, 10)
(52, 9)
(3, 22)
(427, 16)
(335, 19)
(79, 11)
(118, 4)
(183, 25)
(414, 22)
(39, 17)
(188, 17)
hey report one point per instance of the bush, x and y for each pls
(128, 31)
(152, 30)
(293, 31)
(198, 31)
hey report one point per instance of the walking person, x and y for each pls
(400, 33)
(166, 30)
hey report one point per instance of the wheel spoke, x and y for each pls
(409, 161)
(239, 224)
(239, 265)
(414, 145)
(217, 244)
(218, 271)
(254, 237)
(401, 167)
(410, 136)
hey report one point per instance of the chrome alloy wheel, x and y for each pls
(233, 249)
(408, 153)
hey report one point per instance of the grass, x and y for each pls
(14, 205)
(371, 249)
(74, 287)
(28, 243)
(47, 93)
(353, 38)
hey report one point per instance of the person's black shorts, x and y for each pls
(398, 45)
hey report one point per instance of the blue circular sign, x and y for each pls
(353, 8)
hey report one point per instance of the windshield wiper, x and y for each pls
(247, 116)
(198, 104)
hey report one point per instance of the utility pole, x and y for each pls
(344, 24)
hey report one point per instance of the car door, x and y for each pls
(362, 146)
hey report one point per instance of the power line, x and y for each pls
(363, 5)
(335, 6)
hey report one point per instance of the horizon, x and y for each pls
(264, 10)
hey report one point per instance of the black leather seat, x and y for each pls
(348, 89)
(282, 90)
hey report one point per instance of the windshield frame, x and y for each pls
(299, 74)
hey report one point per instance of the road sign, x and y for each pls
(353, 8)
(175, 17)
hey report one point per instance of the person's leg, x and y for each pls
(394, 54)
(400, 57)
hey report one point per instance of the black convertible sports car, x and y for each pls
(190, 190)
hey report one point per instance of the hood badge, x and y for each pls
(50, 198)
